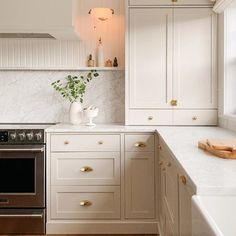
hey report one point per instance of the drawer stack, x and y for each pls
(85, 176)
(139, 176)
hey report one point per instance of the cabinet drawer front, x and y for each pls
(87, 168)
(92, 142)
(169, 2)
(150, 117)
(68, 202)
(139, 143)
(195, 117)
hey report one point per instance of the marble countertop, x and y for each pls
(210, 175)
(106, 128)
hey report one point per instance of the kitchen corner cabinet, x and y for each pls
(101, 183)
(171, 65)
(176, 192)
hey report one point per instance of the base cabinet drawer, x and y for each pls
(195, 117)
(84, 143)
(150, 117)
(85, 168)
(93, 202)
(139, 143)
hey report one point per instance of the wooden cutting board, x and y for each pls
(223, 144)
(219, 153)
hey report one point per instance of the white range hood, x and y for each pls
(39, 19)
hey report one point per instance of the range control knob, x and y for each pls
(21, 136)
(30, 136)
(12, 136)
(38, 136)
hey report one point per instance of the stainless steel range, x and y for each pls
(22, 180)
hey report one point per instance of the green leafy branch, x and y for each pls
(75, 87)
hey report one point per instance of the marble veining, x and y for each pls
(27, 97)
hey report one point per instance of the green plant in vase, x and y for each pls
(73, 89)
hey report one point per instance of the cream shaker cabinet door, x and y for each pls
(149, 60)
(139, 185)
(194, 64)
(185, 214)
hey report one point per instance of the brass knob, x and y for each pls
(174, 103)
(169, 164)
(86, 169)
(100, 142)
(163, 169)
(85, 203)
(194, 118)
(66, 142)
(183, 179)
(150, 118)
(140, 144)
(161, 163)
(159, 147)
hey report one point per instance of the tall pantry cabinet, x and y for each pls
(171, 63)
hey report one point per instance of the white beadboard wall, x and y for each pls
(50, 54)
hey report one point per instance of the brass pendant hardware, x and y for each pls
(66, 142)
(140, 144)
(150, 118)
(86, 169)
(183, 179)
(85, 203)
(174, 103)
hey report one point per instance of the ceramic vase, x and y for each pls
(76, 113)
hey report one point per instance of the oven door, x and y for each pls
(22, 176)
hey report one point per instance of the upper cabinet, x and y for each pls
(39, 19)
(171, 65)
(169, 2)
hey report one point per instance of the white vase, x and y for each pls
(76, 113)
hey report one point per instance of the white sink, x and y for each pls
(214, 215)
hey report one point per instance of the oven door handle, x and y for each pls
(22, 149)
(23, 215)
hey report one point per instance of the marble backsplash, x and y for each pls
(27, 97)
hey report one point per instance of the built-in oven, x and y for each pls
(22, 185)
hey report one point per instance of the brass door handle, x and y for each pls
(140, 144)
(174, 103)
(86, 169)
(85, 203)
(150, 118)
(183, 179)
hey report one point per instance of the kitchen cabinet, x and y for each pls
(169, 2)
(139, 171)
(108, 177)
(176, 192)
(171, 65)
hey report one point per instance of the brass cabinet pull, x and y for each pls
(86, 169)
(85, 203)
(100, 142)
(159, 147)
(150, 118)
(169, 164)
(66, 142)
(163, 169)
(183, 179)
(194, 118)
(174, 103)
(140, 144)
(161, 163)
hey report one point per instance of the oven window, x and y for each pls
(17, 175)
